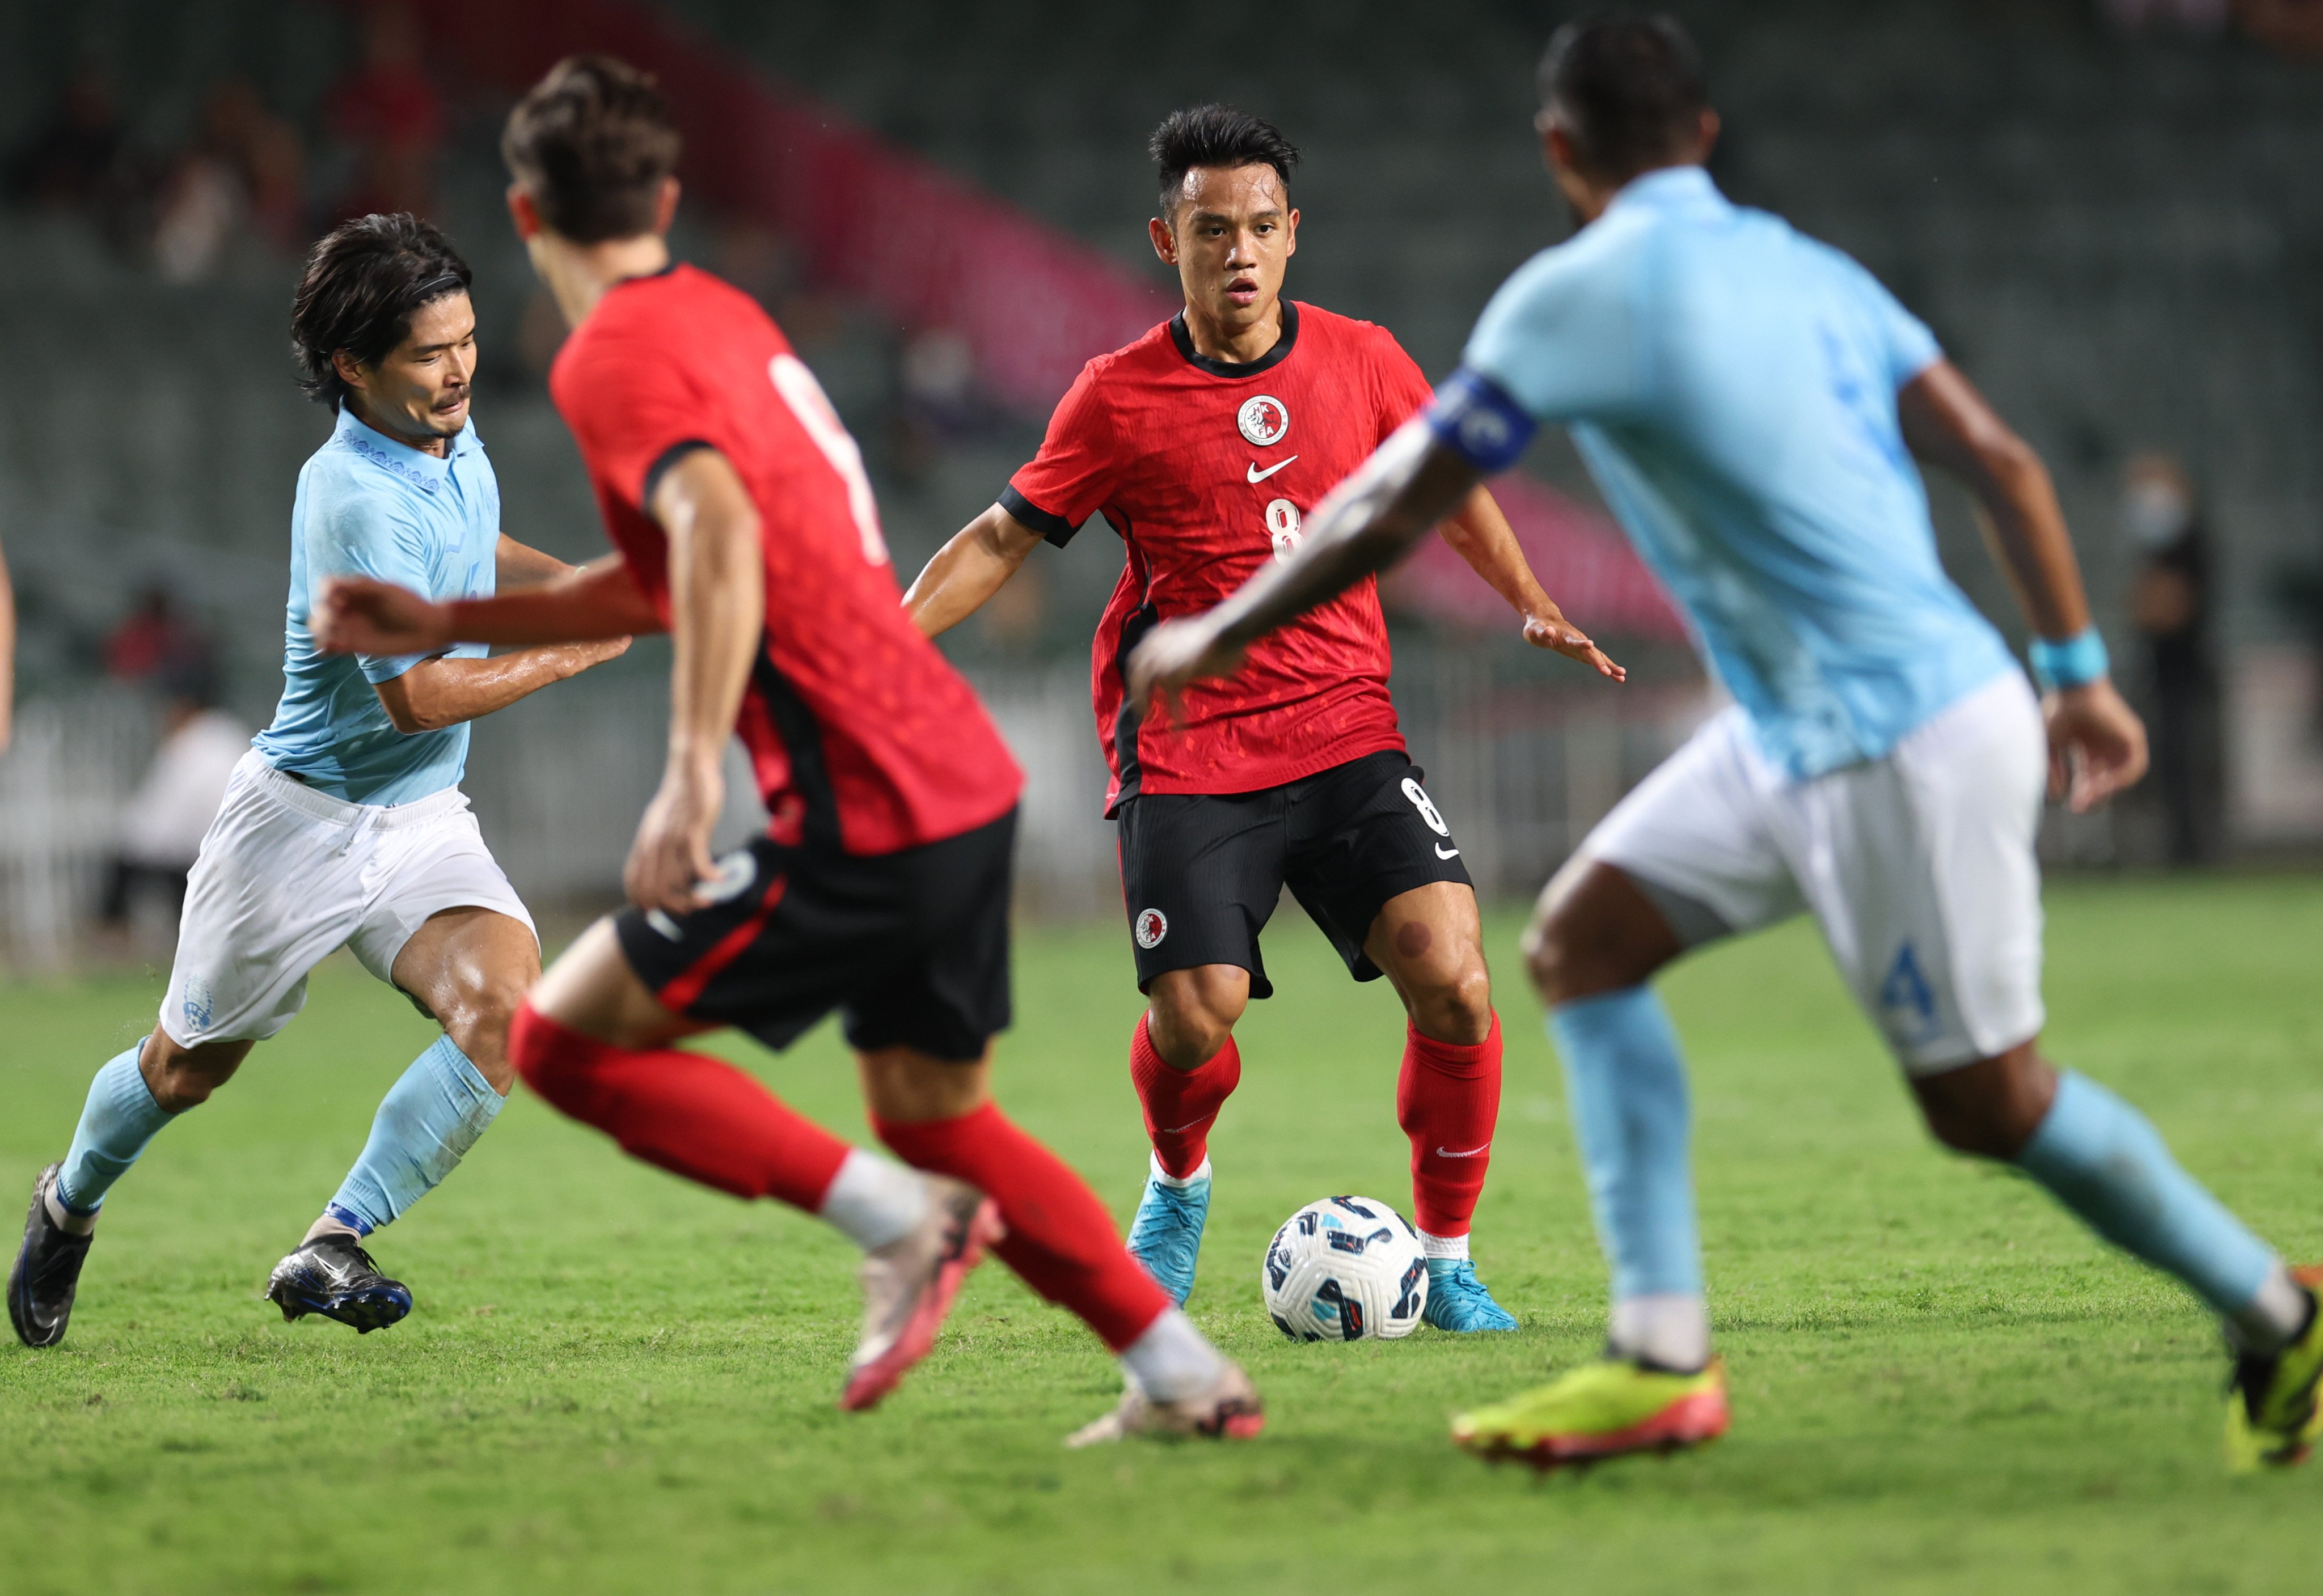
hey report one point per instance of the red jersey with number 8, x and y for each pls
(862, 736)
(1206, 470)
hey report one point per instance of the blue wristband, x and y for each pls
(1477, 420)
(2076, 662)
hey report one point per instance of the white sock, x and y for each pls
(1176, 1182)
(873, 1201)
(1667, 1328)
(1443, 1246)
(1171, 1361)
(2265, 1325)
(328, 1225)
(64, 1219)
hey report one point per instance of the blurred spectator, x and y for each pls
(157, 642)
(68, 161)
(392, 115)
(936, 391)
(2170, 606)
(246, 169)
(2294, 27)
(162, 824)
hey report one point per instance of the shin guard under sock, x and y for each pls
(425, 1124)
(1061, 1240)
(690, 1114)
(119, 1118)
(1626, 1081)
(1447, 1100)
(1181, 1105)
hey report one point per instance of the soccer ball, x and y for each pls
(1346, 1269)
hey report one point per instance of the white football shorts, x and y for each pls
(1919, 867)
(288, 877)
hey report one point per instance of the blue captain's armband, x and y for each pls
(2074, 662)
(1474, 417)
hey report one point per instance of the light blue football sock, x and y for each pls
(2104, 1160)
(426, 1123)
(118, 1120)
(1626, 1082)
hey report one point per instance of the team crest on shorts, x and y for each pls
(729, 877)
(199, 1004)
(1153, 925)
(1262, 420)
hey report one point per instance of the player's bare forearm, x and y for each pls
(435, 694)
(595, 602)
(518, 565)
(968, 571)
(1949, 424)
(1481, 535)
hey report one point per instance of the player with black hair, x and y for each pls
(344, 825)
(1204, 443)
(1751, 402)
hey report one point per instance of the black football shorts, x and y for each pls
(1200, 874)
(912, 948)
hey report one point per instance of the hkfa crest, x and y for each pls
(1153, 925)
(1262, 420)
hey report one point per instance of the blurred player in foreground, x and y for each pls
(1750, 401)
(344, 825)
(1204, 443)
(746, 528)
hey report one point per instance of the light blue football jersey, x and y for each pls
(368, 506)
(1731, 384)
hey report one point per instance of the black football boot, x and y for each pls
(48, 1271)
(333, 1276)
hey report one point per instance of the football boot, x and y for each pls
(1457, 1300)
(1601, 1409)
(2275, 1406)
(909, 1285)
(1229, 1410)
(333, 1276)
(1166, 1235)
(47, 1272)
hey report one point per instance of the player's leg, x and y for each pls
(266, 902)
(1201, 875)
(1377, 868)
(595, 1039)
(467, 968)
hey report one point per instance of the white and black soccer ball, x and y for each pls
(1346, 1269)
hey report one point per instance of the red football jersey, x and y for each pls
(1205, 469)
(863, 737)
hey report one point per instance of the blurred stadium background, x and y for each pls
(2107, 208)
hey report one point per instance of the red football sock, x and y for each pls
(692, 1114)
(1447, 1100)
(1181, 1105)
(1060, 1239)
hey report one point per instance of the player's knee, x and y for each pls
(1989, 1108)
(1194, 1012)
(184, 1077)
(1457, 1010)
(481, 1022)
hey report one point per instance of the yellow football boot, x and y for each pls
(1602, 1410)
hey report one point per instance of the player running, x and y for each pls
(745, 527)
(1750, 401)
(344, 825)
(1203, 443)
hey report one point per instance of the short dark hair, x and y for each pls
(1216, 135)
(592, 142)
(364, 281)
(1629, 90)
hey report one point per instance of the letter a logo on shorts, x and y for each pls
(1907, 996)
(1153, 925)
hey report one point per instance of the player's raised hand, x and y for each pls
(1549, 629)
(359, 615)
(2096, 744)
(1175, 652)
(670, 856)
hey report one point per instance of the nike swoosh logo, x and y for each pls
(1190, 1125)
(1443, 852)
(1257, 476)
(1472, 1152)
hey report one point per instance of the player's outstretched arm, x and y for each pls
(1410, 483)
(588, 603)
(518, 565)
(1481, 535)
(968, 571)
(435, 694)
(2097, 742)
(717, 621)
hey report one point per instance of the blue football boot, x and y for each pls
(1166, 1236)
(1458, 1302)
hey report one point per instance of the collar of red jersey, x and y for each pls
(1184, 340)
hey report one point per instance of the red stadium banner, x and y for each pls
(933, 252)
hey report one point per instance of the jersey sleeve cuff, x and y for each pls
(1052, 528)
(663, 462)
(1477, 420)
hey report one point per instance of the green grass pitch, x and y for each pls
(616, 1382)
